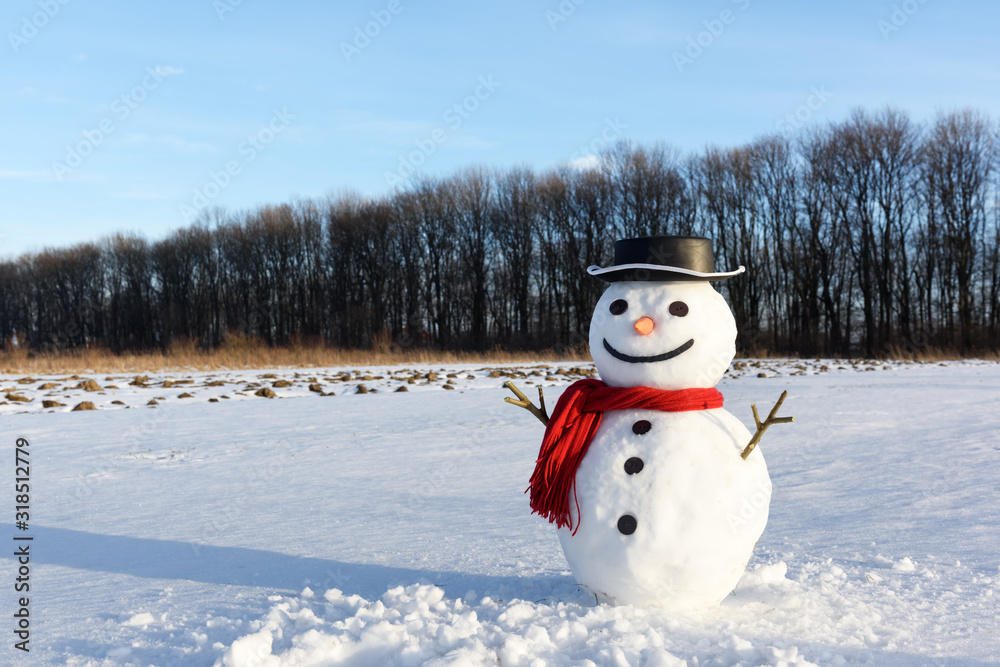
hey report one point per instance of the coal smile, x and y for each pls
(647, 360)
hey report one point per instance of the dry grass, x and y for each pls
(896, 353)
(245, 354)
(931, 353)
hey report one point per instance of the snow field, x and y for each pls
(391, 528)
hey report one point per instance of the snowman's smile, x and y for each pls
(647, 360)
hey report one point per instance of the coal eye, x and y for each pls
(678, 308)
(618, 306)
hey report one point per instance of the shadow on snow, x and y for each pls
(240, 566)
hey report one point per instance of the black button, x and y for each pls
(633, 465)
(618, 306)
(626, 524)
(641, 427)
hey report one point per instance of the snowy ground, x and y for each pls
(390, 528)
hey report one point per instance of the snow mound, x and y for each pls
(825, 614)
(142, 619)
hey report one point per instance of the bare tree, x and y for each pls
(957, 162)
(472, 193)
(826, 272)
(874, 157)
(514, 223)
(651, 194)
(730, 213)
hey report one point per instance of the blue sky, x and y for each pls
(135, 116)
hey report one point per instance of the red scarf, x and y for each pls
(572, 426)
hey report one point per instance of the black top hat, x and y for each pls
(657, 258)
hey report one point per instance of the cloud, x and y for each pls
(185, 146)
(167, 70)
(135, 138)
(18, 174)
(174, 143)
(470, 142)
(378, 127)
(141, 194)
(584, 163)
(35, 93)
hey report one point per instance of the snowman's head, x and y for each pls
(665, 335)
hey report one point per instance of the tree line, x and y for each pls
(873, 235)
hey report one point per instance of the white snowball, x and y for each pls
(709, 324)
(699, 508)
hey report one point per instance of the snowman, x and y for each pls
(658, 493)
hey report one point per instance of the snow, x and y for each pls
(391, 528)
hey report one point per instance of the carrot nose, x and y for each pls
(644, 326)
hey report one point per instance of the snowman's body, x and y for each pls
(664, 510)
(697, 508)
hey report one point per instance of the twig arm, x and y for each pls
(523, 401)
(772, 418)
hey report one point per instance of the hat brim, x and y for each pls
(656, 272)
